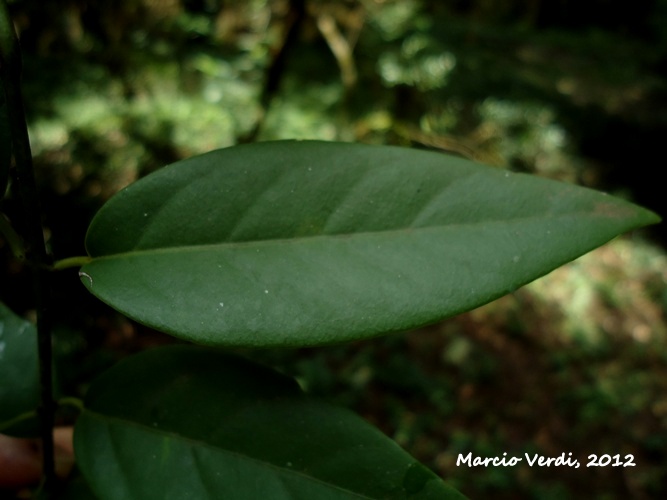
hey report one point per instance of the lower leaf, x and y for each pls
(188, 422)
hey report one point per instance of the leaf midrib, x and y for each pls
(298, 239)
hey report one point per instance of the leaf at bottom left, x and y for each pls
(19, 375)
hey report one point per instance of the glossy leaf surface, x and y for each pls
(304, 243)
(189, 422)
(19, 374)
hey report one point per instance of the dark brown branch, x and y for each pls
(32, 232)
(276, 67)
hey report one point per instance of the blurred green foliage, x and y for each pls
(570, 90)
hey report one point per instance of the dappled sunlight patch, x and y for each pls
(609, 293)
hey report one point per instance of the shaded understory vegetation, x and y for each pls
(575, 362)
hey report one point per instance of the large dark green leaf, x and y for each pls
(19, 374)
(189, 422)
(303, 243)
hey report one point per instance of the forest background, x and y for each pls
(576, 91)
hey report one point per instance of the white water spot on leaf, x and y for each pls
(516, 259)
(145, 214)
(266, 291)
(222, 304)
